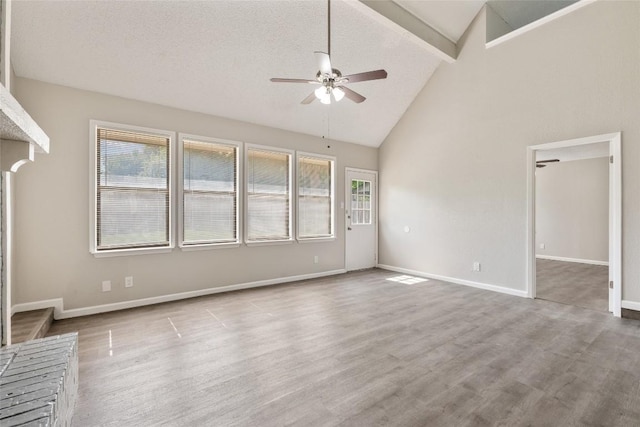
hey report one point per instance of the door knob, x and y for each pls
(349, 228)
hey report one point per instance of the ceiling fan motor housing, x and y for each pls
(330, 80)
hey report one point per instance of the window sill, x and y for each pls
(269, 242)
(207, 246)
(316, 239)
(129, 252)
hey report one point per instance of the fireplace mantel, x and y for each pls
(20, 139)
(20, 135)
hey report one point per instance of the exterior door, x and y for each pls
(361, 219)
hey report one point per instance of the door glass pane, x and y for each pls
(360, 202)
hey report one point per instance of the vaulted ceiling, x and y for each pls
(217, 57)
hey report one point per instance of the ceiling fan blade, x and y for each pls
(369, 75)
(354, 96)
(280, 80)
(548, 161)
(309, 99)
(324, 63)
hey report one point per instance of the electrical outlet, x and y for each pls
(128, 282)
(476, 266)
(542, 246)
(106, 285)
(315, 259)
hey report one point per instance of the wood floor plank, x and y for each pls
(357, 350)
(582, 285)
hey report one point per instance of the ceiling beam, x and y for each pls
(400, 20)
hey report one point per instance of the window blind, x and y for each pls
(210, 193)
(268, 195)
(132, 191)
(315, 197)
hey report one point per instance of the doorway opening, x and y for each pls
(590, 263)
(572, 226)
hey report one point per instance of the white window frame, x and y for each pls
(334, 162)
(239, 191)
(292, 195)
(93, 189)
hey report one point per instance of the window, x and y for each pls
(360, 202)
(132, 204)
(315, 196)
(268, 208)
(209, 204)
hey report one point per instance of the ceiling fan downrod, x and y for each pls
(329, 27)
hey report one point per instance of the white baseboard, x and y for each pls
(631, 305)
(61, 313)
(56, 303)
(479, 285)
(578, 260)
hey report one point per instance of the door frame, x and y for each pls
(347, 201)
(615, 211)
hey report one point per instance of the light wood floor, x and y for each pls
(357, 350)
(584, 285)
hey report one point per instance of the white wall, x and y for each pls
(454, 168)
(572, 209)
(52, 207)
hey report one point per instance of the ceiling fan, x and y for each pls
(541, 163)
(331, 79)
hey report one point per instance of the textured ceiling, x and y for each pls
(216, 57)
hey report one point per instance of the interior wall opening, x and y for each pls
(572, 226)
(574, 222)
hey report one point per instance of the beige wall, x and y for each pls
(454, 168)
(52, 207)
(572, 209)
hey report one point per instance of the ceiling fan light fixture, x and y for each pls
(323, 93)
(338, 94)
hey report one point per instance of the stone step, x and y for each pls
(30, 325)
